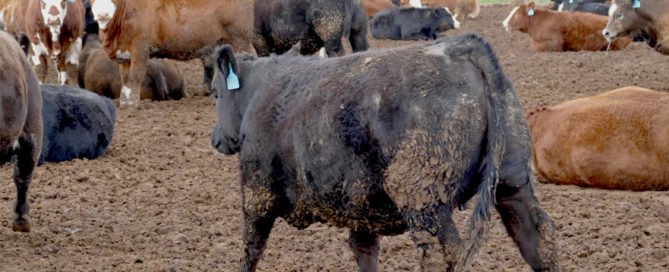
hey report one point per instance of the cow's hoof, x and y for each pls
(21, 224)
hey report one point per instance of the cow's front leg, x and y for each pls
(70, 63)
(133, 74)
(436, 237)
(529, 226)
(366, 249)
(27, 156)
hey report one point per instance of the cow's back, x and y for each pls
(613, 140)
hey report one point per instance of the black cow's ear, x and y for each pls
(439, 11)
(24, 41)
(225, 59)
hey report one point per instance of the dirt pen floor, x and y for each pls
(161, 200)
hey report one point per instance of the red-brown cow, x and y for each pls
(54, 28)
(374, 6)
(460, 8)
(561, 31)
(615, 140)
(133, 31)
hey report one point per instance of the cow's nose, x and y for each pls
(53, 22)
(104, 16)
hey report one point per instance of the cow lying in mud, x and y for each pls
(335, 141)
(77, 123)
(409, 23)
(614, 140)
(21, 115)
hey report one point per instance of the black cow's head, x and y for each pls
(445, 19)
(225, 137)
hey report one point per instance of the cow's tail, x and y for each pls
(497, 89)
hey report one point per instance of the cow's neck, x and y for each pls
(536, 21)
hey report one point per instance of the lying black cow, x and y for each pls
(335, 141)
(585, 6)
(77, 123)
(558, 3)
(409, 23)
(280, 24)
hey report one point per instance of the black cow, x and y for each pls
(280, 24)
(77, 123)
(409, 23)
(20, 121)
(365, 142)
(92, 26)
(558, 3)
(585, 6)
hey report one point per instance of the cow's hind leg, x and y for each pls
(366, 249)
(530, 227)
(27, 156)
(255, 233)
(436, 237)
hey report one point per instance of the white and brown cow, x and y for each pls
(54, 28)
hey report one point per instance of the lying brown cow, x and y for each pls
(374, 6)
(648, 22)
(615, 140)
(561, 31)
(54, 28)
(21, 127)
(460, 8)
(101, 75)
(133, 31)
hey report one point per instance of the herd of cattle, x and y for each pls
(332, 139)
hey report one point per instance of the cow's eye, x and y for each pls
(619, 16)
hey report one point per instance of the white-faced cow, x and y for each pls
(334, 141)
(54, 28)
(21, 122)
(280, 24)
(133, 31)
(647, 22)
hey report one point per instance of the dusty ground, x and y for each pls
(159, 199)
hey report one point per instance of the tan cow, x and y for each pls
(552, 30)
(460, 8)
(54, 28)
(133, 31)
(649, 21)
(615, 140)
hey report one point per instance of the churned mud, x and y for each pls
(161, 200)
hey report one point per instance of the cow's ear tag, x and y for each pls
(71, 1)
(233, 80)
(571, 1)
(636, 4)
(530, 12)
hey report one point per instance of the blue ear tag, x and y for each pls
(571, 1)
(530, 12)
(71, 1)
(636, 4)
(233, 80)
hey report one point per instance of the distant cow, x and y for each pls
(99, 74)
(614, 140)
(21, 122)
(460, 8)
(561, 31)
(647, 22)
(586, 6)
(54, 28)
(409, 23)
(558, 3)
(280, 24)
(374, 6)
(77, 123)
(133, 31)
(335, 141)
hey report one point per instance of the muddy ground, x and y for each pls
(160, 199)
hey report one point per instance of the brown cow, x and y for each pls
(54, 28)
(99, 74)
(134, 31)
(614, 140)
(648, 22)
(21, 127)
(374, 6)
(460, 8)
(561, 31)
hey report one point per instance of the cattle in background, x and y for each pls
(558, 3)
(21, 117)
(460, 8)
(647, 22)
(91, 24)
(615, 140)
(280, 24)
(133, 31)
(409, 23)
(99, 74)
(334, 141)
(561, 31)
(586, 6)
(54, 28)
(374, 6)
(77, 123)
